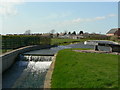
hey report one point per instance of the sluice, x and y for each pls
(35, 58)
(28, 72)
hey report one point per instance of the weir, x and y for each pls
(28, 72)
(35, 58)
(30, 69)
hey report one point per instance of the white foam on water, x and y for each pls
(37, 58)
(35, 63)
(38, 66)
(34, 72)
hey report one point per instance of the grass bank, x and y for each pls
(4, 51)
(85, 70)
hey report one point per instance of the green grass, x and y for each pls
(65, 41)
(4, 51)
(85, 70)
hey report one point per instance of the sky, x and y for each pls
(42, 17)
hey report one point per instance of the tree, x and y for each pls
(69, 33)
(114, 38)
(81, 33)
(52, 31)
(65, 32)
(57, 34)
(27, 32)
(74, 33)
(51, 35)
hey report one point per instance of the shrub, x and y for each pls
(114, 38)
(16, 41)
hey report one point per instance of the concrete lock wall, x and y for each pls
(116, 49)
(9, 58)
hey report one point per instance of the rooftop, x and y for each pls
(112, 31)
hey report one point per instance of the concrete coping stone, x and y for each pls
(48, 77)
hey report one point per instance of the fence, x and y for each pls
(17, 41)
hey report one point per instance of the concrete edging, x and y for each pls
(10, 57)
(48, 77)
(93, 51)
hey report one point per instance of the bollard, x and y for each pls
(96, 48)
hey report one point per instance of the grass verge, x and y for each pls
(85, 70)
(2, 51)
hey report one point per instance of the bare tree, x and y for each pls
(58, 34)
(52, 31)
(27, 32)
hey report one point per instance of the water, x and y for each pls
(37, 58)
(101, 42)
(54, 50)
(33, 76)
(30, 70)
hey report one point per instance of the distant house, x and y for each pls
(113, 32)
(64, 36)
(45, 34)
(71, 36)
(76, 37)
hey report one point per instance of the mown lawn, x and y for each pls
(85, 70)
(65, 41)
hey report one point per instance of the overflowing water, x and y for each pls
(35, 58)
(33, 76)
(32, 71)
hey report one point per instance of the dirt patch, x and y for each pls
(93, 51)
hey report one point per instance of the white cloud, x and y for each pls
(112, 15)
(75, 23)
(99, 18)
(77, 20)
(16, 1)
(57, 15)
(81, 20)
(7, 7)
(72, 0)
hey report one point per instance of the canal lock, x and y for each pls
(33, 75)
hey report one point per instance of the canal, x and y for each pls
(30, 68)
